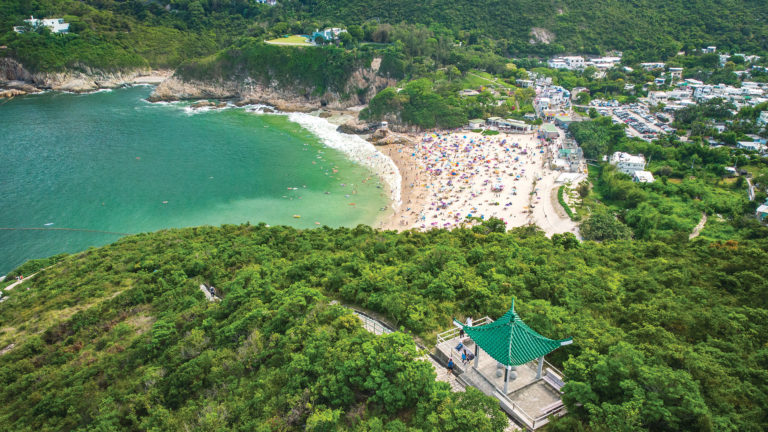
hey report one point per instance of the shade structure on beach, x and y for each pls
(509, 341)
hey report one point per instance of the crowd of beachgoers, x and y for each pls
(450, 178)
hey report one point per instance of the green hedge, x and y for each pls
(561, 199)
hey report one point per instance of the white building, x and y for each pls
(604, 63)
(57, 25)
(476, 124)
(652, 65)
(763, 119)
(749, 146)
(568, 62)
(642, 177)
(675, 73)
(762, 212)
(628, 163)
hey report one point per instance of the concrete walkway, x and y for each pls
(699, 227)
(13, 285)
(208, 294)
(443, 374)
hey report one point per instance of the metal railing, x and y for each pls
(510, 406)
(372, 325)
(454, 332)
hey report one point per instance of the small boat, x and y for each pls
(297, 216)
(48, 224)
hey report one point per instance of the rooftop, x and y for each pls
(529, 399)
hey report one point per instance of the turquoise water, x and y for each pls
(112, 162)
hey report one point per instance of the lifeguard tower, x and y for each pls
(509, 365)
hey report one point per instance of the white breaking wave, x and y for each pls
(100, 90)
(355, 148)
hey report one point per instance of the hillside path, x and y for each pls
(699, 227)
(13, 285)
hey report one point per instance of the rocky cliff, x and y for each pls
(361, 86)
(15, 79)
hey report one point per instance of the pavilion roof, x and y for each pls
(509, 341)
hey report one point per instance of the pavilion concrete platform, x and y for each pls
(530, 400)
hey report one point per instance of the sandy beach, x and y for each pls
(449, 176)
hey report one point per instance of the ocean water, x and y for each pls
(112, 162)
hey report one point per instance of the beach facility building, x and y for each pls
(476, 124)
(505, 359)
(511, 125)
(56, 25)
(563, 121)
(548, 131)
(628, 163)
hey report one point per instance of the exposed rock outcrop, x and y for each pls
(385, 137)
(354, 128)
(362, 85)
(13, 75)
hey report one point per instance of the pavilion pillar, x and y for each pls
(541, 365)
(477, 356)
(506, 379)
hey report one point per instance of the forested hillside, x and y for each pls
(667, 335)
(114, 34)
(575, 25)
(315, 69)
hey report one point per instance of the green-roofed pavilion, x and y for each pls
(510, 342)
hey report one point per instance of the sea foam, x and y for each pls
(355, 148)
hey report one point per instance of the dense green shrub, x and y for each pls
(667, 335)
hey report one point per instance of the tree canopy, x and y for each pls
(667, 335)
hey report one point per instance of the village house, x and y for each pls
(328, 35)
(628, 163)
(524, 83)
(762, 212)
(675, 73)
(578, 90)
(652, 66)
(642, 177)
(568, 62)
(763, 119)
(56, 25)
(749, 146)
(604, 63)
(468, 92)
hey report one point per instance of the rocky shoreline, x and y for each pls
(16, 80)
